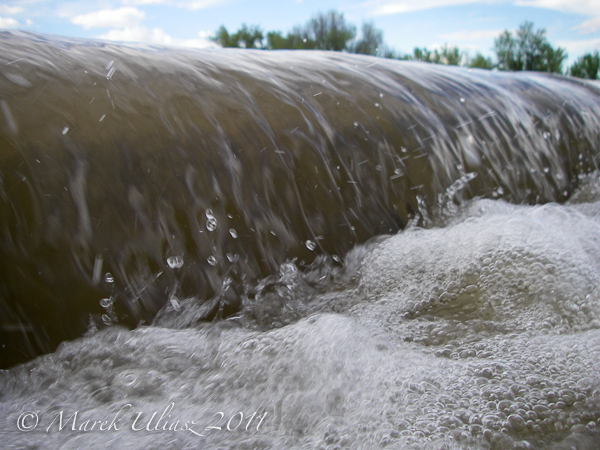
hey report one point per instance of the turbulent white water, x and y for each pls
(481, 333)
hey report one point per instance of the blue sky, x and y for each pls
(472, 25)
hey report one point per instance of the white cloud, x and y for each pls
(10, 10)
(387, 7)
(143, 2)
(586, 7)
(201, 4)
(580, 47)
(8, 22)
(156, 36)
(590, 25)
(471, 36)
(114, 18)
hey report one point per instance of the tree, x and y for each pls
(370, 42)
(249, 37)
(529, 50)
(330, 31)
(245, 37)
(448, 55)
(505, 47)
(296, 39)
(586, 66)
(422, 54)
(481, 62)
(223, 38)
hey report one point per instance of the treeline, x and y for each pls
(527, 49)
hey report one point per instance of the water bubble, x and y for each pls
(65, 130)
(380, 95)
(288, 268)
(233, 233)
(175, 262)
(212, 260)
(356, 124)
(108, 278)
(546, 135)
(175, 304)
(377, 105)
(403, 149)
(106, 302)
(106, 320)
(462, 100)
(211, 220)
(310, 245)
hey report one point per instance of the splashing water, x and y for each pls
(301, 318)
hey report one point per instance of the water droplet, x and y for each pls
(380, 95)
(102, 118)
(377, 105)
(546, 135)
(462, 100)
(108, 277)
(65, 130)
(310, 245)
(175, 262)
(233, 233)
(106, 302)
(211, 220)
(403, 149)
(356, 124)
(212, 260)
(288, 268)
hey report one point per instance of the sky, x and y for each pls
(471, 25)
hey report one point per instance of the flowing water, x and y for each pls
(248, 249)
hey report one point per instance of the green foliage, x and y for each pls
(327, 31)
(481, 62)
(370, 42)
(528, 50)
(422, 54)
(586, 66)
(448, 55)
(330, 31)
(245, 37)
(297, 40)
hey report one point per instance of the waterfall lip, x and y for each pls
(117, 152)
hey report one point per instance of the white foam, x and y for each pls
(481, 334)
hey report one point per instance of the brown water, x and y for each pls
(225, 196)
